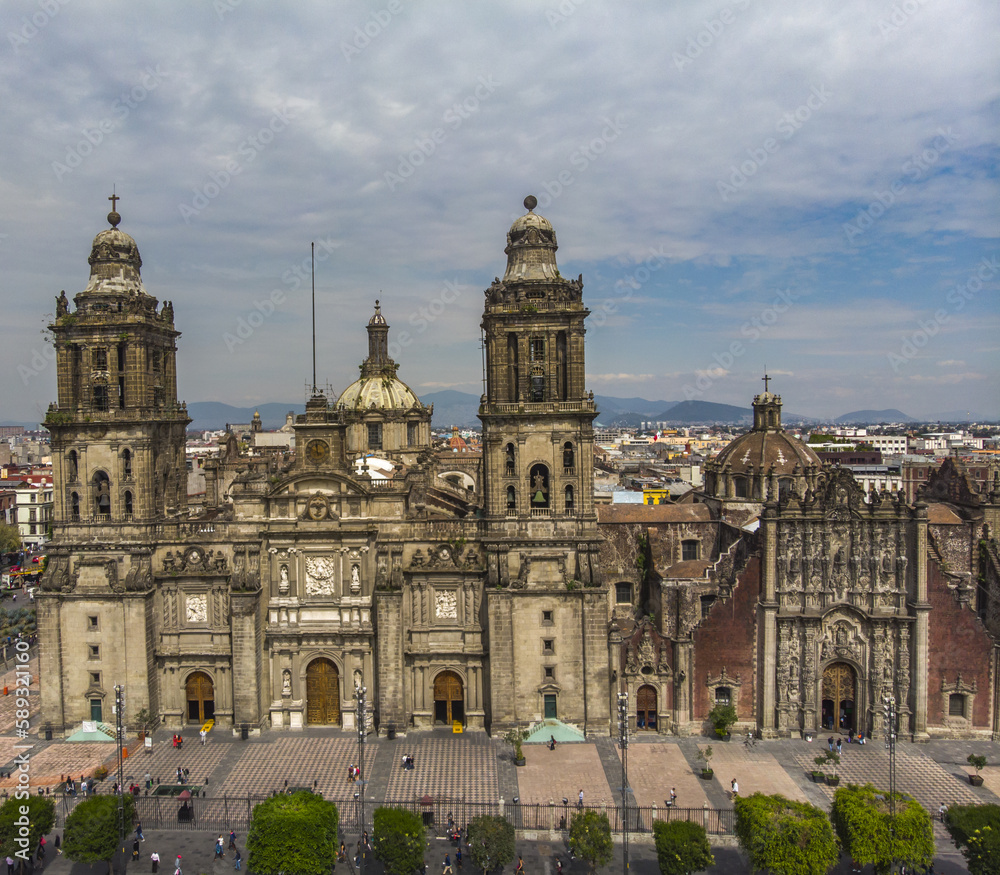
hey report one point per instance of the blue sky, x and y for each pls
(810, 187)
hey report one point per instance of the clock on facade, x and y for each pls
(317, 451)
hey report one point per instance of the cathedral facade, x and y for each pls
(499, 596)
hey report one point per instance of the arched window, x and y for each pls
(128, 502)
(538, 482)
(569, 461)
(509, 461)
(102, 494)
(74, 506)
(72, 466)
(723, 696)
(126, 464)
(623, 592)
(569, 499)
(511, 499)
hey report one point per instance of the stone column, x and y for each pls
(247, 639)
(920, 642)
(767, 657)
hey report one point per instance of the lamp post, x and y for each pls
(623, 741)
(119, 739)
(361, 694)
(891, 716)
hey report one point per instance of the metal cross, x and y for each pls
(765, 378)
(114, 202)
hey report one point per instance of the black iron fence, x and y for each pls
(223, 813)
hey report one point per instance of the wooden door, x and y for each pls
(322, 693)
(200, 693)
(449, 697)
(645, 707)
(839, 684)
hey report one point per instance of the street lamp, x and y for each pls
(120, 740)
(891, 717)
(361, 694)
(623, 741)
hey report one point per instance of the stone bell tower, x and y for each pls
(117, 437)
(546, 597)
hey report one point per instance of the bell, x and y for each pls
(539, 498)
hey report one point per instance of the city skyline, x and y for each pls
(810, 189)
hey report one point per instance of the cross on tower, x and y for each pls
(765, 378)
(114, 202)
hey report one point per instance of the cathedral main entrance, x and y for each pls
(322, 693)
(200, 694)
(839, 696)
(449, 698)
(645, 707)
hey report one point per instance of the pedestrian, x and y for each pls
(232, 839)
(155, 859)
(446, 868)
(220, 847)
(10, 865)
(138, 831)
(942, 811)
(579, 801)
(203, 734)
(673, 797)
(736, 788)
(840, 746)
(149, 781)
(829, 743)
(58, 844)
(458, 856)
(135, 850)
(520, 866)
(342, 855)
(238, 861)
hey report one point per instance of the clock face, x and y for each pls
(317, 451)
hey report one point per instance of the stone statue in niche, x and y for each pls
(357, 678)
(355, 579)
(283, 580)
(197, 608)
(286, 683)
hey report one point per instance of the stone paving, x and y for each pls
(755, 769)
(656, 768)
(460, 767)
(551, 775)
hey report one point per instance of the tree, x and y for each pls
(144, 721)
(681, 847)
(293, 833)
(975, 829)
(399, 840)
(92, 830)
(38, 813)
(590, 838)
(10, 538)
(491, 842)
(870, 834)
(722, 717)
(785, 837)
(515, 737)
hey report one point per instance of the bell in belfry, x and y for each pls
(538, 487)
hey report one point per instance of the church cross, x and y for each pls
(765, 378)
(114, 202)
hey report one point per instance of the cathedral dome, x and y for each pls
(114, 261)
(531, 247)
(378, 392)
(762, 450)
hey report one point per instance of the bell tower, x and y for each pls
(541, 539)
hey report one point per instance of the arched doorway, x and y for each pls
(200, 692)
(322, 693)
(839, 696)
(645, 707)
(449, 698)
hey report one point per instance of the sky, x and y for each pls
(809, 188)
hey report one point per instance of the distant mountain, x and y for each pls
(215, 415)
(874, 416)
(453, 408)
(694, 412)
(961, 416)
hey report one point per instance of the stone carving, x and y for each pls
(355, 579)
(197, 608)
(283, 585)
(418, 558)
(381, 572)
(321, 576)
(840, 641)
(446, 606)
(286, 683)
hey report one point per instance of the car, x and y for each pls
(14, 569)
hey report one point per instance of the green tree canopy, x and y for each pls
(868, 833)
(38, 813)
(91, 834)
(293, 833)
(975, 830)
(491, 842)
(590, 838)
(398, 840)
(10, 538)
(681, 847)
(785, 837)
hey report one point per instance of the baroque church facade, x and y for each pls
(502, 601)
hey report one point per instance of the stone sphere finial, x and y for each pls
(530, 202)
(114, 218)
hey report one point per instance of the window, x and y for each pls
(100, 397)
(550, 673)
(536, 349)
(94, 651)
(538, 481)
(546, 617)
(412, 433)
(509, 466)
(723, 696)
(690, 550)
(568, 457)
(550, 706)
(128, 502)
(706, 605)
(374, 435)
(96, 711)
(74, 506)
(32, 514)
(95, 678)
(511, 498)
(548, 646)
(741, 487)
(569, 499)
(956, 705)
(92, 622)
(623, 592)
(100, 359)
(157, 361)
(127, 464)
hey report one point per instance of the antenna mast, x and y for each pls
(312, 253)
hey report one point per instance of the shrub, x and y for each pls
(722, 717)
(590, 838)
(681, 847)
(785, 837)
(398, 840)
(975, 829)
